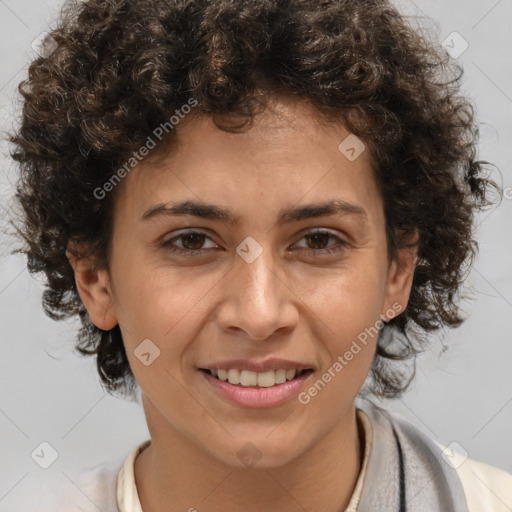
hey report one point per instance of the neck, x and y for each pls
(174, 474)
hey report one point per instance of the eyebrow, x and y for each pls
(214, 212)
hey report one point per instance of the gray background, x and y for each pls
(463, 396)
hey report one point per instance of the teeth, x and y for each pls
(248, 378)
(234, 376)
(267, 379)
(280, 376)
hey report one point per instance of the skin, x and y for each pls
(290, 303)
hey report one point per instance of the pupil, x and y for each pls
(192, 236)
(319, 238)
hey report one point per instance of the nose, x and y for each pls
(257, 301)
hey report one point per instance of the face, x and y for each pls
(284, 267)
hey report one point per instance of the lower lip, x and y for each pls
(255, 397)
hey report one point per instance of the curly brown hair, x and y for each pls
(122, 67)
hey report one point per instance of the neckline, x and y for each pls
(128, 498)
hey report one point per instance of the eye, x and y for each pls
(191, 242)
(321, 238)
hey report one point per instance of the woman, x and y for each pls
(258, 211)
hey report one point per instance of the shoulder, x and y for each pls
(65, 490)
(486, 487)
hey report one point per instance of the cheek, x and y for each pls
(348, 331)
(151, 295)
(161, 306)
(348, 299)
(345, 309)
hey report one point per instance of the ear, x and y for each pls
(400, 276)
(94, 288)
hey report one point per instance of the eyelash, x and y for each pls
(167, 245)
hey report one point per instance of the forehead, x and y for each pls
(287, 155)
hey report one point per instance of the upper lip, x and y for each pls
(258, 366)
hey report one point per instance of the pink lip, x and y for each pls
(255, 397)
(272, 363)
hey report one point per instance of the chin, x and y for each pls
(257, 452)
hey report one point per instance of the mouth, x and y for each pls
(247, 378)
(249, 389)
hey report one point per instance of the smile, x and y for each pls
(259, 379)
(250, 389)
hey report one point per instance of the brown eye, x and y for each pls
(319, 240)
(316, 242)
(192, 243)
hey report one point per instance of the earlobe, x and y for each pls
(93, 285)
(400, 278)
